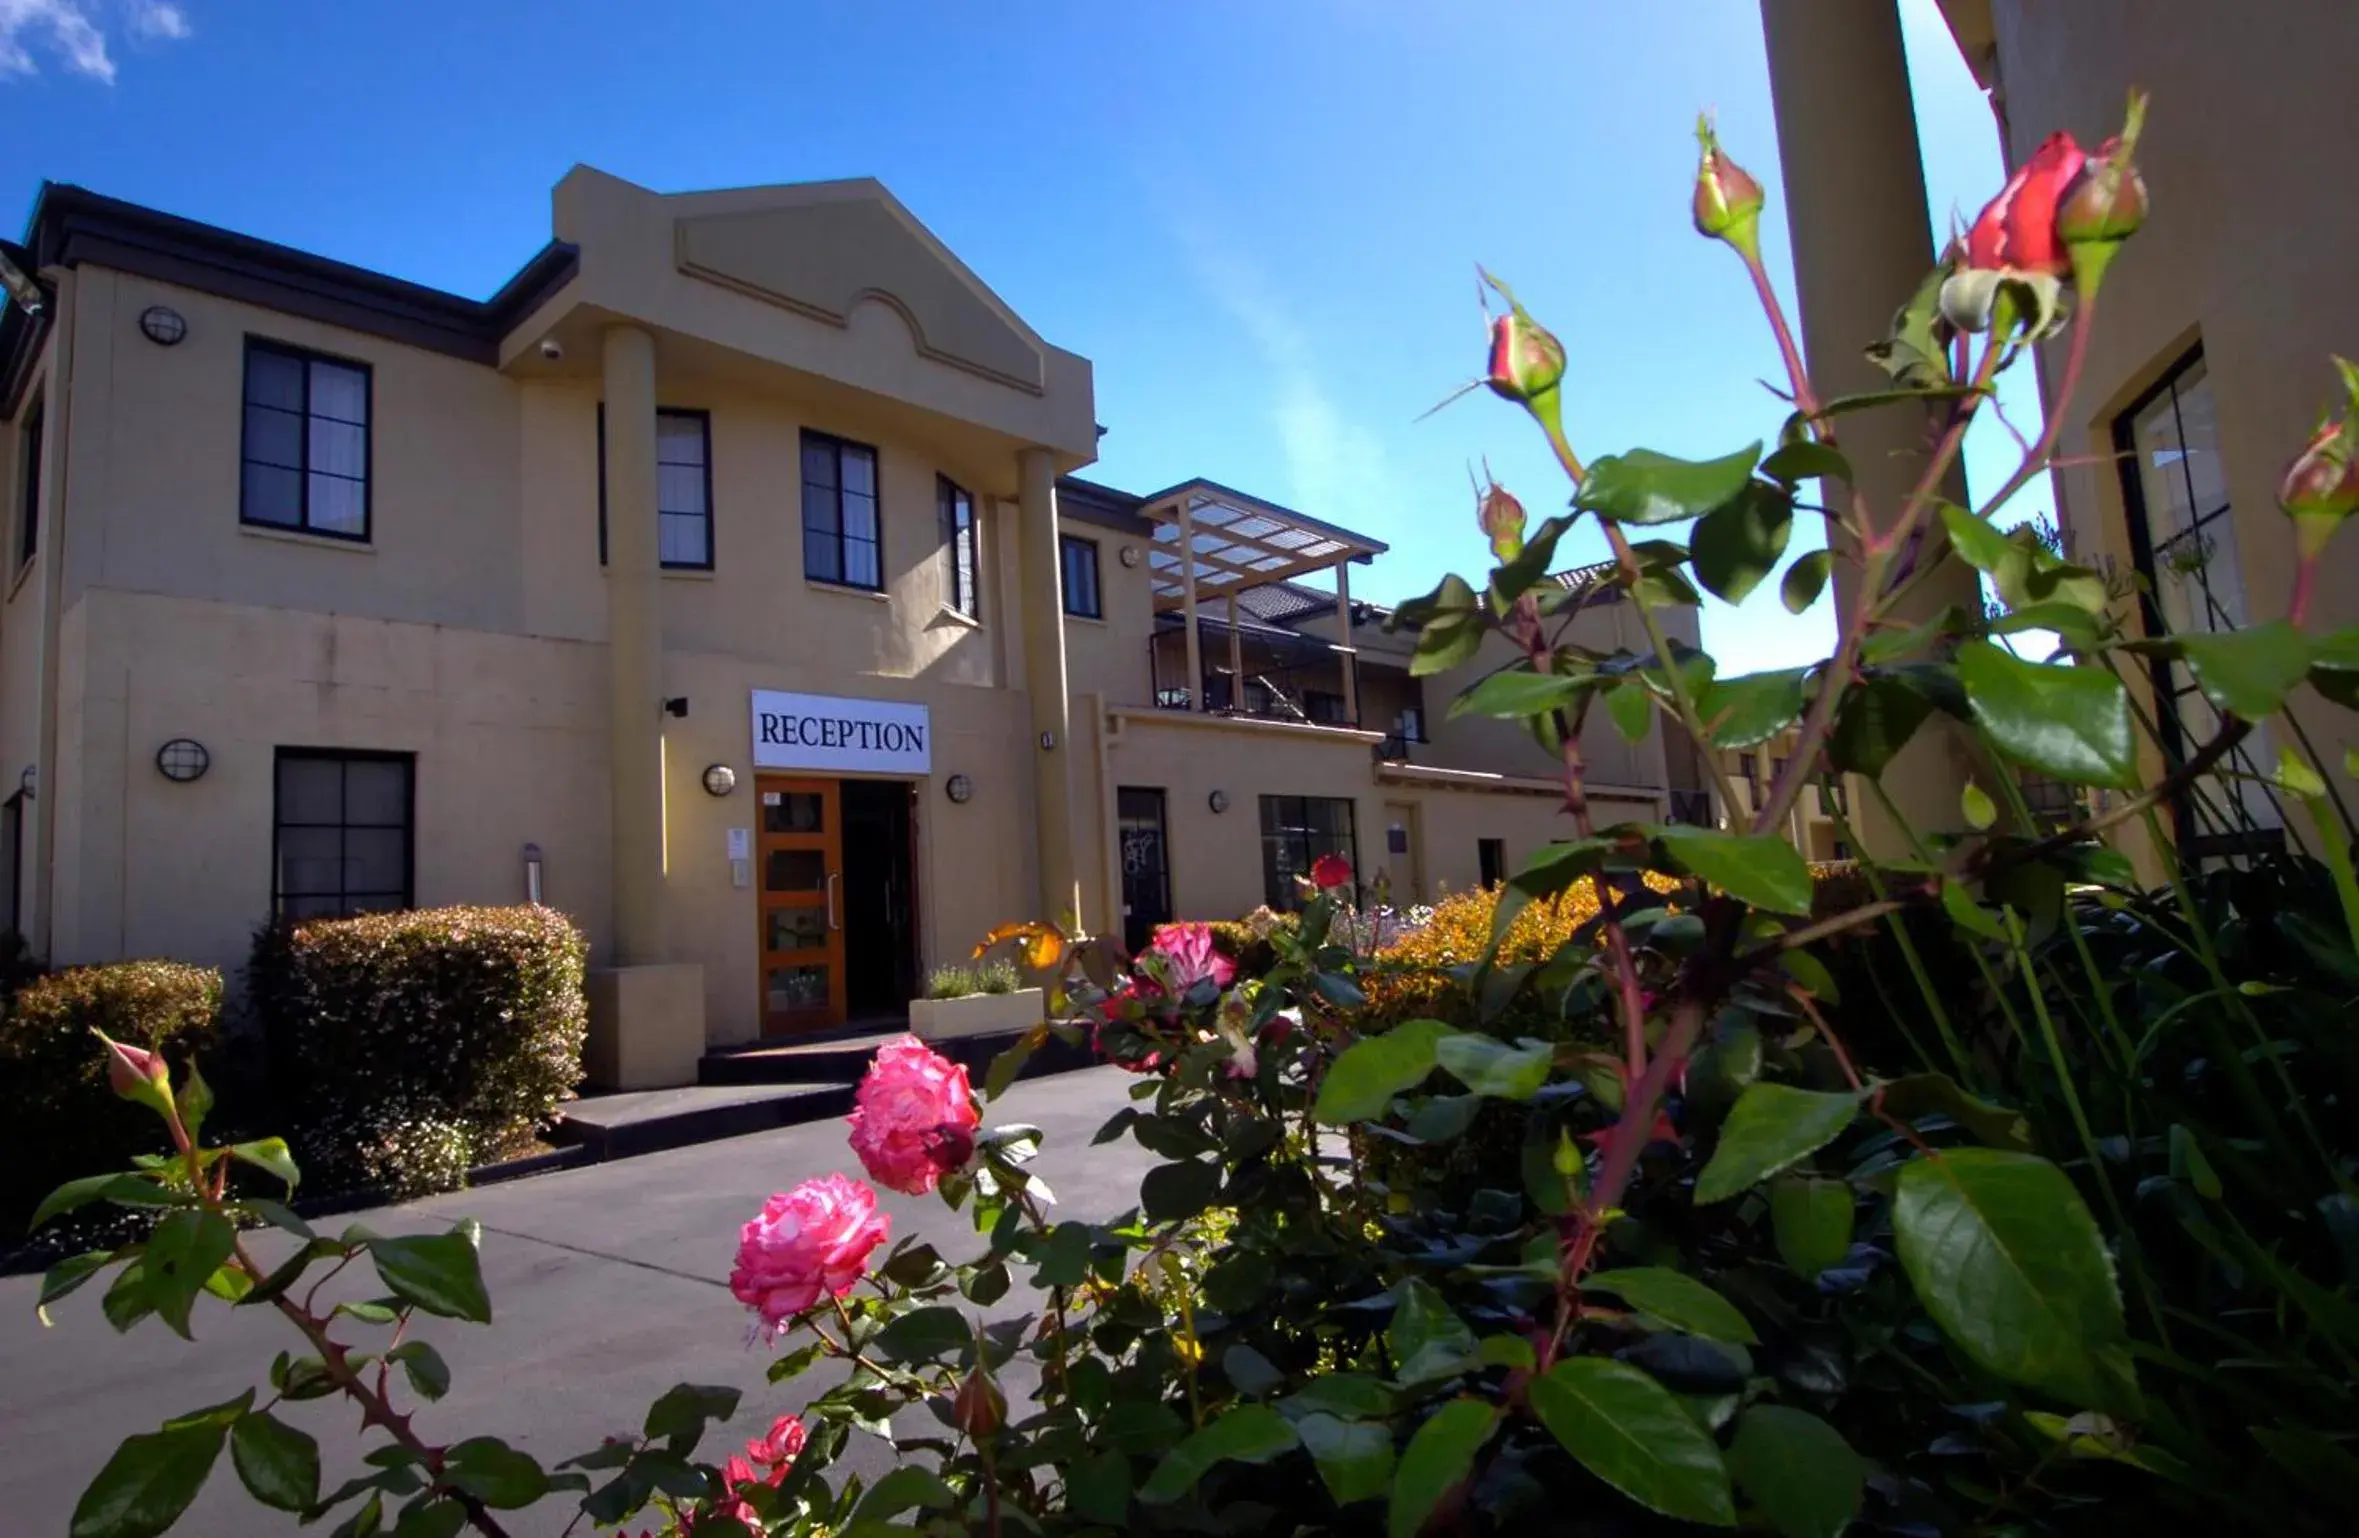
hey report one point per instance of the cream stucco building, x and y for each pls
(723, 581)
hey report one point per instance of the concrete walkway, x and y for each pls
(609, 1284)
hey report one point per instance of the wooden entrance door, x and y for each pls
(800, 855)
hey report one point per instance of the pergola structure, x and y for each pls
(1212, 542)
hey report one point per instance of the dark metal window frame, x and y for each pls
(1490, 857)
(704, 421)
(2144, 551)
(307, 356)
(28, 484)
(1069, 545)
(962, 540)
(1278, 887)
(409, 820)
(1124, 820)
(814, 438)
(12, 817)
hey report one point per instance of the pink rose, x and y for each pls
(914, 1119)
(1330, 871)
(811, 1241)
(1189, 953)
(776, 1452)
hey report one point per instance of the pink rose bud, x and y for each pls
(137, 1074)
(1728, 200)
(913, 1118)
(2108, 203)
(1502, 520)
(1526, 362)
(2321, 487)
(2016, 231)
(979, 1409)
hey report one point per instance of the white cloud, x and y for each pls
(1336, 465)
(72, 32)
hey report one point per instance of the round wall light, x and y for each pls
(719, 779)
(1218, 801)
(1130, 555)
(1048, 742)
(959, 789)
(162, 325)
(183, 759)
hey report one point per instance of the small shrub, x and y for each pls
(1246, 941)
(961, 979)
(411, 1045)
(1413, 978)
(63, 1119)
(998, 975)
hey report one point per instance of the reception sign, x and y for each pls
(825, 731)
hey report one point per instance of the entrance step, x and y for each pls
(647, 1121)
(844, 1057)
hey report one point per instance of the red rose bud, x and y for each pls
(978, 1409)
(1330, 871)
(1502, 520)
(2016, 231)
(1526, 362)
(1728, 200)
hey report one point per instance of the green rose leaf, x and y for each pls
(125, 1190)
(440, 1273)
(1344, 1395)
(1632, 710)
(1804, 579)
(1805, 459)
(680, 1413)
(431, 1517)
(1629, 1431)
(2248, 672)
(1742, 540)
(2005, 1256)
(152, 1477)
(1798, 1470)
(495, 1473)
(279, 1464)
(1643, 486)
(1354, 1457)
(1770, 1129)
(2067, 721)
(905, 1488)
(1874, 722)
(925, 1334)
(1756, 868)
(1361, 1082)
(1976, 542)
(1250, 1433)
(271, 1156)
(66, 1276)
(1173, 1193)
(181, 1256)
(1677, 1299)
(1436, 1461)
(1489, 1066)
(429, 1375)
(1811, 1219)
(1099, 1488)
(1516, 694)
(1937, 1094)
(1749, 709)
(1427, 1339)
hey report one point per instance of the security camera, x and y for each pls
(552, 349)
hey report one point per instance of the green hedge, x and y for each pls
(63, 1120)
(408, 1046)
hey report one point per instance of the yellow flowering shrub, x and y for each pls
(1412, 978)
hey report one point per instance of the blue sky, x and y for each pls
(1260, 221)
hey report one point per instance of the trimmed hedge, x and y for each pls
(63, 1120)
(409, 1046)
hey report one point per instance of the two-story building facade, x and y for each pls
(722, 581)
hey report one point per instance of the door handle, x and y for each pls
(833, 877)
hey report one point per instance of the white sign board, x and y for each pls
(824, 731)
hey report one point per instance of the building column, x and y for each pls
(1855, 193)
(1195, 642)
(634, 642)
(1044, 681)
(1236, 660)
(1347, 655)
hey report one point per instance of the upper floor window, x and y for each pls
(1079, 558)
(683, 488)
(1324, 707)
(306, 450)
(1409, 725)
(841, 542)
(957, 507)
(28, 507)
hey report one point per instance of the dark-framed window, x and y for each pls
(842, 540)
(1295, 832)
(304, 454)
(1324, 707)
(959, 536)
(1077, 560)
(28, 503)
(1409, 725)
(1491, 856)
(12, 862)
(683, 488)
(343, 832)
(2183, 544)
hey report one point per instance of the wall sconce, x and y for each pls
(183, 759)
(676, 707)
(162, 325)
(719, 779)
(1218, 801)
(959, 789)
(26, 780)
(532, 874)
(1048, 742)
(1130, 555)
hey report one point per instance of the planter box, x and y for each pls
(977, 1014)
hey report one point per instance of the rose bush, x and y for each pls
(2072, 1250)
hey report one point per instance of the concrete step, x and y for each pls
(646, 1121)
(840, 1057)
